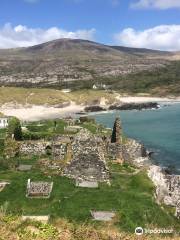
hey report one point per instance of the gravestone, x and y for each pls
(39, 189)
(43, 219)
(23, 167)
(86, 184)
(103, 215)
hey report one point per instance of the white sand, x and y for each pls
(36, 113)
(129, 99)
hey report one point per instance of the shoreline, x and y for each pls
(44, 112)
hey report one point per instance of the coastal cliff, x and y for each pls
(167, 187)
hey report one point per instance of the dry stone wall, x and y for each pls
(34, 147)
(88, 159)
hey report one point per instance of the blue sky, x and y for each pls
(136, 23)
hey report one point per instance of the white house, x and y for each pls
(4, 122)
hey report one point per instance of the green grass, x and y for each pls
(44, 129)
(2, 133)
(129, 196)
(41, 96)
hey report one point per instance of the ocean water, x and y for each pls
(158, 129)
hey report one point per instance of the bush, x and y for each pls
(14, 128)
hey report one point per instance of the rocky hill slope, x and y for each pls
(77, 64)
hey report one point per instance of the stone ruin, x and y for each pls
(88, 162)
(39, 189)
(135, 152)
(117, 132)
(34, 147)
(167, 187)
(57, 147)
(60, 146)
(130, 151)
(115, 146)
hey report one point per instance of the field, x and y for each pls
(130, 195)
(50, 96)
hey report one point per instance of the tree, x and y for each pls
(11, 153)
(14, 128)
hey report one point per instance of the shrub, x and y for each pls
(14, 128)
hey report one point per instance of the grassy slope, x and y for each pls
(130, 196)
(162, 81)
(49, 96)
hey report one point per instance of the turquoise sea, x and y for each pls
(158, 129)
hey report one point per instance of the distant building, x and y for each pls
(100, 87)
(4, 121)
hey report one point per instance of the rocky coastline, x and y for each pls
(166, 183)
(167, 187)
(123, 106)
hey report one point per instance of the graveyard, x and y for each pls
(80, 176)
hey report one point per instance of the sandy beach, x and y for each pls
(40, 112)
(35, 113)
(130, 99)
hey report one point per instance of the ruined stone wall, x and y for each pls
(34, 147)
(133, 149)
(59, 151)
(114, 150)
(88, 158)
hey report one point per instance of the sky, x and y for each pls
(151, 24)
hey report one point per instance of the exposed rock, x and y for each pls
(94, 109)
(167, 187)
(134, 106)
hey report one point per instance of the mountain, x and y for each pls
(77, 64)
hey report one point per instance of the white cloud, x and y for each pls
(22, 36)
(158, 4)
(163, 37)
